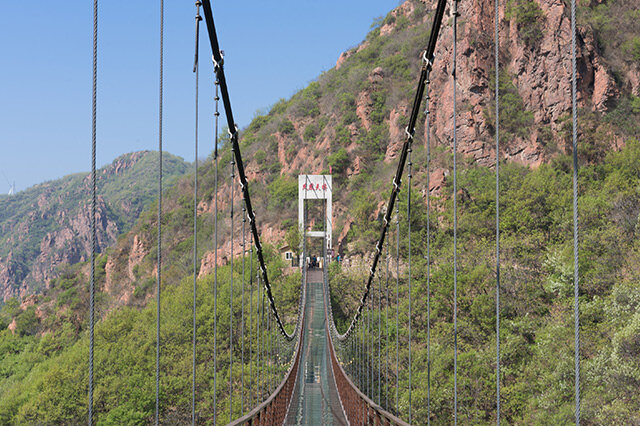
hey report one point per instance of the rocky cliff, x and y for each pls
(352, 119)
(48, 225)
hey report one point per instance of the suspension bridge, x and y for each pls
(325, 376)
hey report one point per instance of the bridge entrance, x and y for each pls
(316, 187)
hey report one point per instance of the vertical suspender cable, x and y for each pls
(94, 106)
(409, 171)
(576, 275)
(196, 70)
(233, 171)
(258, 375)
(251, 383)
(386, 403)
(428, 130)
(244, 251)
(497, 95)
(159, 270)
(455, 222)
(215, 260)
(379, 339)
(398, 306)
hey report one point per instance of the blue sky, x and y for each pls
(272, 50)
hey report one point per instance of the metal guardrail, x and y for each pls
(273, 410)
(360, 410)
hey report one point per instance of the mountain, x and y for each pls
(48, 225)
(351, 120)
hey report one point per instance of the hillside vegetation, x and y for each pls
(351, 120)
(48, 225)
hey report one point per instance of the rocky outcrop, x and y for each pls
(50, 224)
(541, 73)
(397, 133)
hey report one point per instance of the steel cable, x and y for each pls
(159, 257)
(215, 259)
(231, 301)
(196, 70)
(576, 275)
(455, 220)
(386, 404)
(92, 286)
(497, 96)
(379, 339)
(428, 131)
(398, 307)
(244, 251)
(427, 64)
(409, 176)
(250, 318)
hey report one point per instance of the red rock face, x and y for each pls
(541, 73)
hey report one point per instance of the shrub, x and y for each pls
(257, 123)
(27, 322)
(279, 107)
(527, 15)
(286, 127)
(632, 48)
(339, 161)
(283, 191)
(379, 111)
(514, 118)
(310, 133)
(260, 156)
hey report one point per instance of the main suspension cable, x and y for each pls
(427, 64)
(159, 257)
(196, 70)
(233, 130)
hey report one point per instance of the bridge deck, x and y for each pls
(315, 400)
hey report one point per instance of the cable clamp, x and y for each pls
(234, 132)
(408, 133)
(428, 62)
(217, 66)
(396, 185)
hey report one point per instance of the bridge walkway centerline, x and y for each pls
(315, 398)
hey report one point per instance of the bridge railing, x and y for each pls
(273, 411)
(357, 406)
